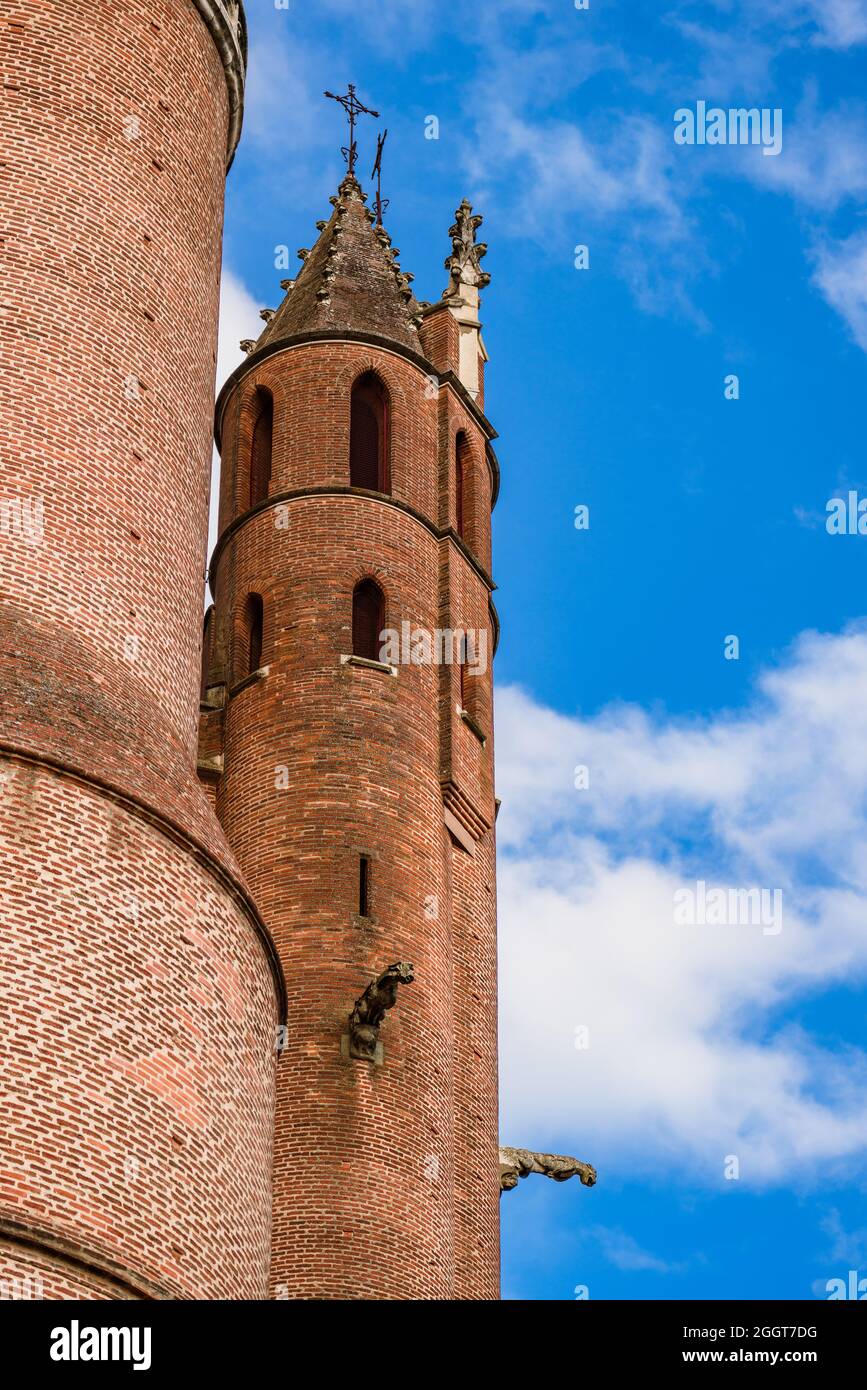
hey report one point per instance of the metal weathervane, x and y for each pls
(381, 203)
(353, 107)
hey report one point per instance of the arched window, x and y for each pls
(260, 449)
(463, 485)
(368, 443)
(368, 619)
(253, 624)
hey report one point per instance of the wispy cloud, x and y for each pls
(841, 275)
(848, 1248)
(835, 24)
(239, 318)
(623, 1251)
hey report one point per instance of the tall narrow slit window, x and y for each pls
(260, 450)
(368, 429)
(463, 485)
(364, 886)
(255, 622)
(368, 619)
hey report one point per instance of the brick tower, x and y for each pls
(139, 989)
(352, 773)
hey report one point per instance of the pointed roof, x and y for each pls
(350, 280)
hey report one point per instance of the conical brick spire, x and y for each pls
(350, 280)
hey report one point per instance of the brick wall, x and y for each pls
(138, 1019)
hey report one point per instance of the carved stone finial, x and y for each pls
(370, 1010)
(518, 1163)
(247, 345)
(267, 314)
(287, 285)
(463, 264)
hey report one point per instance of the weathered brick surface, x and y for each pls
(137, 994)
(29, 1276)
(385, 1177)
(138, 1023)
(440, 338)
(111, 204)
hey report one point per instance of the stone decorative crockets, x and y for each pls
(466, 280)
(370, 1010)
(519, 1163)
(463, 264)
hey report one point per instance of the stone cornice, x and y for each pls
(335, 490)
(118, 1282)
(228, 27)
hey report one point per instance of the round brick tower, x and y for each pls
(138, 985)
(354, 778)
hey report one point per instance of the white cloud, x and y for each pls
(847, 1248)
(686, 1062)
(840, 23)
(733, 60)
(624, 1252)
(837, 24)
(841, 275)
(822, 162)
(239, 318)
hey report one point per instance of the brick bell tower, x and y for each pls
(139, 990)
(347, 738)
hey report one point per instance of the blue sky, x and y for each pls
(707, 520)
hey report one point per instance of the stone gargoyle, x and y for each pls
(519, 1163)
(370, 1010)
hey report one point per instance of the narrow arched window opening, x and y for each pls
(368, 619)
(364, 886)
(260, 450)
(368, 428)
(255, 615)
(463, 485)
